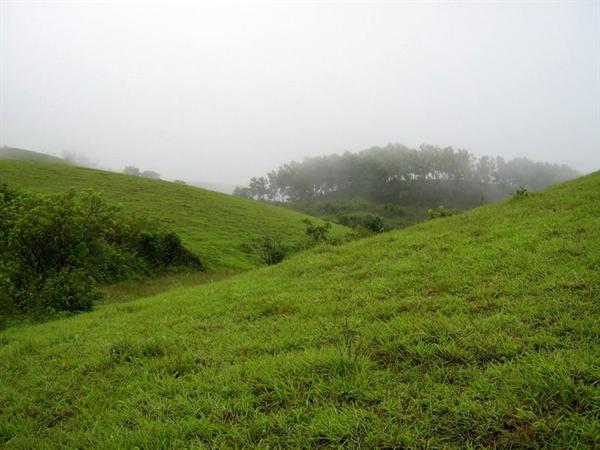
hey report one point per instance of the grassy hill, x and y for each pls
(28, 155)
(478, 330)
(223, 230)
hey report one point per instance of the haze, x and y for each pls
(222, 92)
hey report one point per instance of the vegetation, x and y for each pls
(27, 155)
(342, 209)
(55, 248)
(398, 176)
(441, 211)
(317, 233)
(475, 330)
(369, 221)
(218, 228)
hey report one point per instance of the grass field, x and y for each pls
(221, 229)
(478, 330)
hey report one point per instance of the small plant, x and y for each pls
(441, 211)
(273, 251)
(349, 348)
(521, 192)
(318, 233)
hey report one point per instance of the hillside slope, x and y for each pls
(223, 230)
(28, 155)
(478, 330)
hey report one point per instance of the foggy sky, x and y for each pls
(223, 92)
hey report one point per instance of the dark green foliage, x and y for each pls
(371, 222)
(441, 211)
(318, 233)
(55, 248)
(68, 290)
(163, 249)
(273, 251)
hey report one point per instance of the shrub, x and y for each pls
(163, 249)
(521, 192)
(68, 290)
(273, 251)
(55, 248)
(318, 233)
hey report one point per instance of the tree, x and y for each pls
(151, 174)
(132, 170)
(46, 241)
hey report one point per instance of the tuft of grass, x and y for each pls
(481, 330)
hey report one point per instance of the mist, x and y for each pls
(218, 93)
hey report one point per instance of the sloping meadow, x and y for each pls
(224, 231)
(477, 330)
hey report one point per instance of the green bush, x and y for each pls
(55, 248)
(317, 233)
(164, 249)
(68, 290)
(273, 251)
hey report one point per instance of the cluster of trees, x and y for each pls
(55, 249)
(425, 176)
(134, 171)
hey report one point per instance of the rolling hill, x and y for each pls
(223, 230)
(477, 330)
(27, 155)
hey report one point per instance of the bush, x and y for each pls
(163, 249)
(521, 192)
(55, 248)
(69, 290)
(318, 233)
(273, 251)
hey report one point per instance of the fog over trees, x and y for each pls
(398, 174)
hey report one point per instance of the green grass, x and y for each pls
(145, 287)
(28, 155)
(221, 229)
(478, 330)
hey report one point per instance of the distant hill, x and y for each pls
(28, 155)
(222, 230)
(480, 330)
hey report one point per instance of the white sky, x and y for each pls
(225, 91)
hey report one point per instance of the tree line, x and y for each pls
(395, 173)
